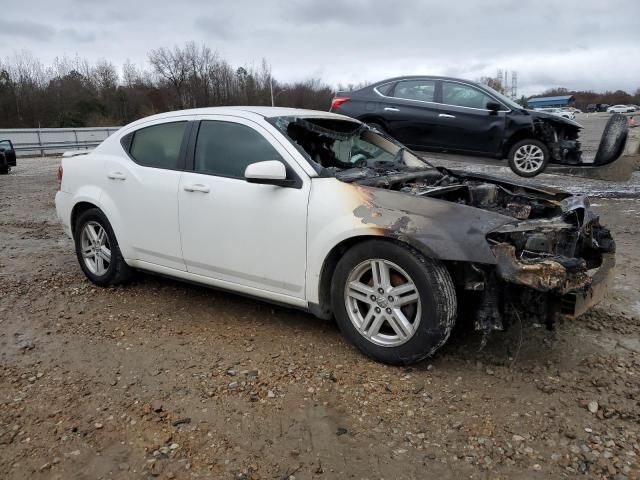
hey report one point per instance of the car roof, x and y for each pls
(429, 77)
(245, 112)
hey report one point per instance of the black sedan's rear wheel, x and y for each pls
(395, 305)
(528, 157)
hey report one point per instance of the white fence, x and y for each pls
(41, 141)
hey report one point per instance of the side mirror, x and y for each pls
(493, 106)
(269, 172)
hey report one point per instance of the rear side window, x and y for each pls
(464, 96)
(385, 89)
(226, 148)
(5, 145)
(158, 146)
(422, 90)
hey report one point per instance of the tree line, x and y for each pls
(72, 92)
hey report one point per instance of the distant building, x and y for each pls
(560, 101)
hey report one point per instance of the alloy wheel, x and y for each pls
(96, 250)
(383, 302)
(529, 158)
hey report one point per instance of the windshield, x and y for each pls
(503, 98)
(335, 146)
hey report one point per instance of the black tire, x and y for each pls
(117, 271)
(614, 138)
(436, 293)
(515, 168)
(4, 171)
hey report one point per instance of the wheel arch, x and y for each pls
(323, 308)
(107, 207)
(77, 210)
(522, 134)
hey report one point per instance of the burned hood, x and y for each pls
(449, 215)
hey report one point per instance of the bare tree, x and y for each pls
(172, 66)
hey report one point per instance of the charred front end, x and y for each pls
(551, 256)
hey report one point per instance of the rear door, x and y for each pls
(468, 125)
(411, 113)
(143, 185)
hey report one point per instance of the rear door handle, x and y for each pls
(196, 187)
(446, 115)
(116, 176)
(391, 109)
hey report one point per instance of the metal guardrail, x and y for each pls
(34, 141)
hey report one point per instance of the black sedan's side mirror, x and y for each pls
(493, 106)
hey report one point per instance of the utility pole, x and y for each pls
(271, 87)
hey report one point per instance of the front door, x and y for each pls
(243, 233)
(465, 122)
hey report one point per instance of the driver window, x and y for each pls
(461, 95)
(226, 148)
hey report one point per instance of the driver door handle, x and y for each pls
(116, 176)
(446, 115)
(196, 187)
(391, 109)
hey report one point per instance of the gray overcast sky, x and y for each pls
(582, 44)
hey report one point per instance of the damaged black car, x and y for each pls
(509, 251)
(450, 114)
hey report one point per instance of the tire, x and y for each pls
(528, 157)
(429, 319)
(96, 267)
(614, 138)
(4, 170)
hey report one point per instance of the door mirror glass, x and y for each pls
(493, 106)
(270, 172)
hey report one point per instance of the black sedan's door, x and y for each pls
(411, 114)
(468, 124)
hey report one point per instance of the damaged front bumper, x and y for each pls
(577, 303)
(544, 274)
(578, 289)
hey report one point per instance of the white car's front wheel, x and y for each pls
(394, 304)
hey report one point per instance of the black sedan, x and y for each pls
(7, 156)
(450, 114)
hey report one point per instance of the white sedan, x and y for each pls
(620, 109)
(321, 212)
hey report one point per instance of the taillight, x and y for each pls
(59, 175)
(337, 101)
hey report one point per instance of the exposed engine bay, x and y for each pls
(562, 140)
(547, 251)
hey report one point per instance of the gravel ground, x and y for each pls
(160, 379)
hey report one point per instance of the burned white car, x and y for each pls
(321, 212)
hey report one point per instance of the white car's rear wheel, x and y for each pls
(97, 249)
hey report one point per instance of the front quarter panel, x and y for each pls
(439, 229)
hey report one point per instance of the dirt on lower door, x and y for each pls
(168, 380)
